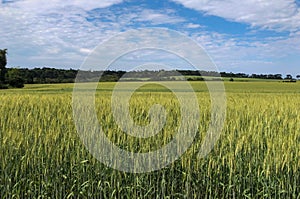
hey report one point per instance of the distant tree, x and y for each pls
(3, 63)
(14, 78)
(278, 76)
(289, 76)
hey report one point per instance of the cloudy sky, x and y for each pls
(251, 36)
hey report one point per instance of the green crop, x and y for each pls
(257, 155)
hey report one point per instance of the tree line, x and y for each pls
(17, 77)
(52, 75)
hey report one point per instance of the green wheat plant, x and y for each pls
(257, 155)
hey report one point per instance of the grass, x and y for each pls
(257, 155)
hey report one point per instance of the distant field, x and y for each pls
(257, 155)
(234, 87)
(193, 77)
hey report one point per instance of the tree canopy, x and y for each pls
(3, 60)
(3, 63)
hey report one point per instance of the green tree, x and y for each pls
(14, 79)
(289, 76)
(3, 63)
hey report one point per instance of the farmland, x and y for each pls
(257, 155)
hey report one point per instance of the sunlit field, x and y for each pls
(257, 155)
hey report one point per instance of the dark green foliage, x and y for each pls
(3, 63)
(256, 76)
(45, 75)
(14, 79)
(3, 86)
(288, 76)
(16, 82)
(51, 75)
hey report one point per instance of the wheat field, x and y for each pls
(257, 155)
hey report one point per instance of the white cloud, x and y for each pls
(192, 25)
(57, 33)
(244, 55)
(275, 14)
(35, 32)
(157, 18)
(38, 6)
(85, 50)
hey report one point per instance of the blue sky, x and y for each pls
(251, 36)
